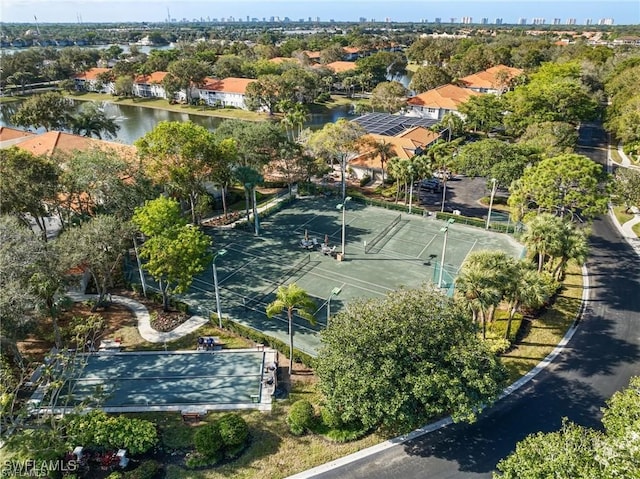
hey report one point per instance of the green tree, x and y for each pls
(49, 110)
(552, 138)
(123, 86)
(188, 72)
(265, 93)
(381, 65)
(483, 112)
(568, 184)
(181, 156)
(396, 362)
(543, 236)
(389, 96)
(98, 245)
(576, 451)
(174, 252)
(381, 150)
(338, 141)
(249, 178)
(429, 77)
(292, 299)
(627, 187)
(91, 120)
(28, 186)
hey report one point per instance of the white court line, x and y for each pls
(427, 245)
(354, 280)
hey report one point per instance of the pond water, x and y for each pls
(136, 121)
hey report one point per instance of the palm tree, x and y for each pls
(383, 150)
(482, 282)
(525, 287)
(249, 178)
(92, 121)
(292, 298)
(398, 169)
(543, 235)
(574, 245)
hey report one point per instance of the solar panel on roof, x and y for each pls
(391, 125)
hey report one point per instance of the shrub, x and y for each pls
(301, 417)
(146, 470)
(330, 419)
(233, 430)
(365, 180)
(208, 440)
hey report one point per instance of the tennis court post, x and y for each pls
(343, 207)
(445, 230)
(222, 252)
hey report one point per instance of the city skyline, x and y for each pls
(621, 12)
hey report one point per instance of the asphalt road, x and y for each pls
(599, 360)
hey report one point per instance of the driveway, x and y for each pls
(599, 360)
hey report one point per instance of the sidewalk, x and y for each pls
(626, 162)
(144, 320)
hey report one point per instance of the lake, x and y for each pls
(136, 121)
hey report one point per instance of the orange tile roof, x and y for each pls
(487, 78)
(155, 77)
(312, 55)
(404, 145)
(91, 74)
(447, 97)
(7, 133)
(227, 85)
(53, 142)
(340, 67)
(351, 49)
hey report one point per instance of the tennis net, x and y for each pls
(371, 244)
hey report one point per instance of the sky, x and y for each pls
(88, 11)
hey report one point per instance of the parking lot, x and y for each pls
(462, 194)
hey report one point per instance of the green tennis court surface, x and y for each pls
(384, 251)
(170, 380)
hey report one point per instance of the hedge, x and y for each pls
(478, 222)
(261, 338)
(358, 197)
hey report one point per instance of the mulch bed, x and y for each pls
(165, 321)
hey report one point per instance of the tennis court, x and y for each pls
(171, 381)
(385, 250)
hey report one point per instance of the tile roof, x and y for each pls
(404, 145)
(351, 49)
(91, 74)
(7, 134)
(59, 142)
(227, 85)
(312, 55)
(487, 78)
(155, 77)
(280, 60)
(340, 67)
(447, 97)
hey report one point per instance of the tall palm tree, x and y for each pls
(573, 246)
(525, 287)
(249, 179)
(383, 150)
(398, 169)
(92, 121)
(543, 235)
(292, 298)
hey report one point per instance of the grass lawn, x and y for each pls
(615, 156)
(546, 331)
(621, 215)
(636, 229)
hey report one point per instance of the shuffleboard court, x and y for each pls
(170, 381)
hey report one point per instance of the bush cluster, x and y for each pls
(225, 437)
(301, 417)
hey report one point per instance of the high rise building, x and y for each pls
(605, 21)
(484, 20)
(522, 21)
(571, 21)
(438, 20)
(588, 21)
(557, 21)
(466, 20)
(538, 21)
(498, 21)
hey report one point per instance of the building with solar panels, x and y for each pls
(407, 137)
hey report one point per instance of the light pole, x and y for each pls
(493, 194)
(343, 207)
(445, 230)
(334, 292)
(222, 252)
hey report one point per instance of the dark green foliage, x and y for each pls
(400, 361)
(365, 180)
(301, 417)
(208, 440)
(146, 470)
(233, 429)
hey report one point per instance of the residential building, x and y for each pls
(227, 92)
(438, 102)
(495, 80)
(150, 86)
(406, 144)
(339, 67)
(90, 81)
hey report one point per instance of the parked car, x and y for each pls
(431, 184)
(442, 174)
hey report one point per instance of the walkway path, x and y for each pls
(144, 319)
